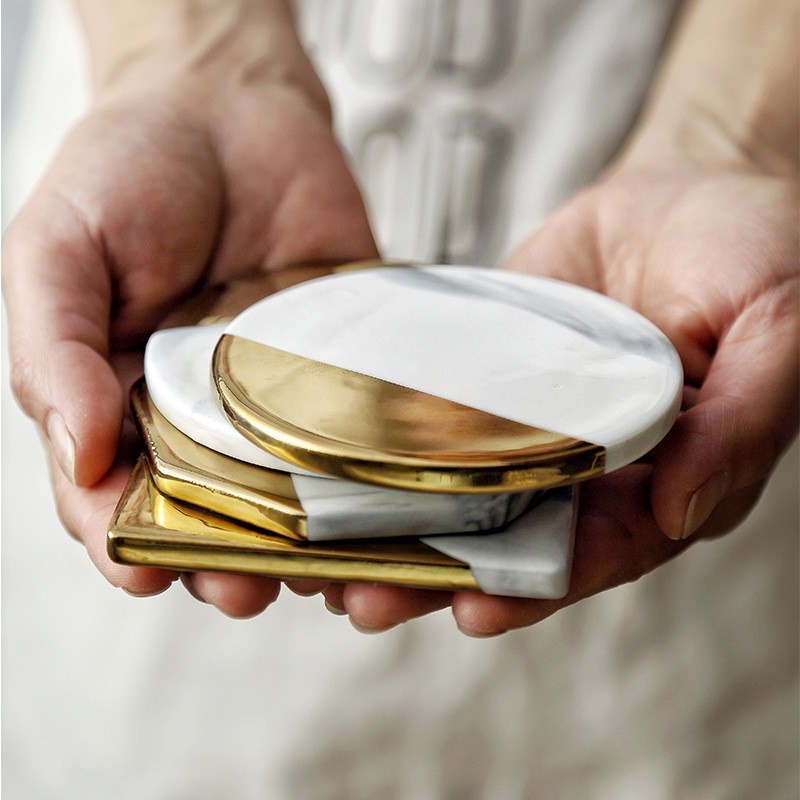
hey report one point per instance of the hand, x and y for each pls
(178, 179)
(696, 228)
(710, 256)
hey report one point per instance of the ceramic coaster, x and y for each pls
(531, 559)
(299, 506)
(448, 379)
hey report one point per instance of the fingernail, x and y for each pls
(480, 634)
(340, 612)
(154, 593)
(368, 628)
(62, 443)
(704, 501)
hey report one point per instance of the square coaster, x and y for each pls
(531, 558)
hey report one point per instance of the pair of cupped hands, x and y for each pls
(163, 193)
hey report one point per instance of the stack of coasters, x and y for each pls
(417, 426)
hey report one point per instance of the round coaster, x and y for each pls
(447, 378)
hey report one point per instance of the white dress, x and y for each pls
(465, 132)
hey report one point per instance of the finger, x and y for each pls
(306, 587)
(334, 599)
(745, 416)
(616, 542)
(59, 299)
(127, 214)
(238, 596)
(86, 513)
(377, 608)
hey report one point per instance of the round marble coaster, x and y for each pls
(448, 379)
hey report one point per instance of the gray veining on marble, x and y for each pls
(340, 509)
(531, 558)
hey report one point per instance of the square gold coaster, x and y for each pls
(148, 529)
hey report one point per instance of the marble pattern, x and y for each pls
(340, 509)
(531, 558)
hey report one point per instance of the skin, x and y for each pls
(191, 172)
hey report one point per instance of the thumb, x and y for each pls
(721, 450)
(58, 295)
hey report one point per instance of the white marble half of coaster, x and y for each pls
(540, 352)
(345, 510)
(177, 363)
(531, 558)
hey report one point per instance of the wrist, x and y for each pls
(698, 137)
(202, 47)
(727, 91)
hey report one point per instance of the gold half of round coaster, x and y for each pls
(361, 428)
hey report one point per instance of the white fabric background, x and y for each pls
(683, 685)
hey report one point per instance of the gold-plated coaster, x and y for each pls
(531, 558)
(432, 383)
(448, 379)
(234, 516)
(148, 529)
(357, 427)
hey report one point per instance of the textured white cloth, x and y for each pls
(469, 120)
(683, 685)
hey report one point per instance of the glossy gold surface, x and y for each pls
(187, 471)
(360, 428)
(149, 529)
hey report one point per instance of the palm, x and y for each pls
(687, 250)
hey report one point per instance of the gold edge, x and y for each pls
(136, 537)
(583, 461)
(272, 520)
(134, 540)
(289, 567)
(264, 428)
(568, 471)
(201, 529)
(134, 494)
